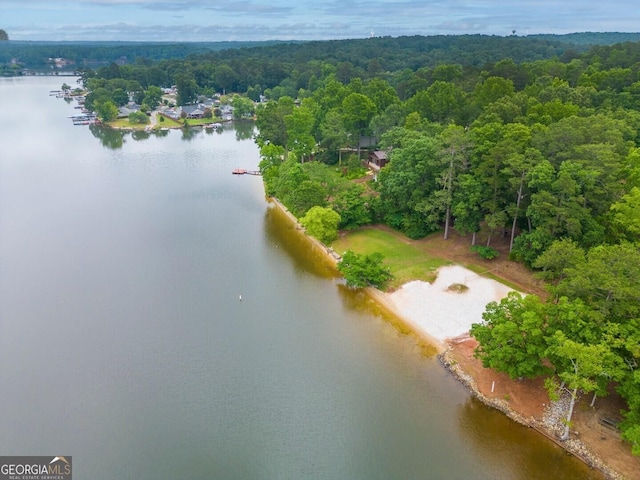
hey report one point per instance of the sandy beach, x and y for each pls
(438, 312)
(432, 311)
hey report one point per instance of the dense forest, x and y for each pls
(20, 57)
(27, 57)
(528, 139)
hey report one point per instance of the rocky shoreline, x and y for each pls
(551, 426)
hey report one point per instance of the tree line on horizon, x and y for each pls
(542, 151)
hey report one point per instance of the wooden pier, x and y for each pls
(242, 171)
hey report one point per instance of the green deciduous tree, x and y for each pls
(270, 121)
(608, 280)
(561, 254)
(187, 88)
(582, 367)
(512, 336)
(299, 124)
(153, 96)
(466, 205)
(306, 195)
(410, 193)
(364, 270)
(138, 118)
(492, 89)
(272, 157)
(455, 146)
(357, 112)
(630, 426)
(333, 132)
(626, 216)
(107, 111)
(321, 223)
(242, 106)
(353, 207)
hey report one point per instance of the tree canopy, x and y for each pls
(364, 270)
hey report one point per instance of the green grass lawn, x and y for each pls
(168, 122)
(194, 122)
(405, 261)
(125, 123)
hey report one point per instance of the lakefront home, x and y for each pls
(377, 160)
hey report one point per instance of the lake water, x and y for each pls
(124, 344)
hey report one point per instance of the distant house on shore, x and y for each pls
(377, 159)
(124, 111)
(193, 111)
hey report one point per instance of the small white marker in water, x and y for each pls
(240, 297)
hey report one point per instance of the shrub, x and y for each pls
(487, 253)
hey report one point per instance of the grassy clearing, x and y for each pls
(194, 122)
(125, 123)
(406, 261)
(168, 122)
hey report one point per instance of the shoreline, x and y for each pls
(443, 345)
(572, 446)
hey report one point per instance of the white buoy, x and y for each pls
(240, 297)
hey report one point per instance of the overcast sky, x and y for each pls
(213, 20)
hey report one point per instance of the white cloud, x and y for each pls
(206, 20)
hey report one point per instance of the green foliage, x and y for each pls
(354, 207)
(357, 112)
(608, 280)
(299, 124)
(321, 223)
(364, 270)
(242, 106)
(3, 35)
(561, 255)
(486, 253)
(107, 111)
(581, 365)
(138, 118)
(304, 196)
(409, 189)
(630, 426)
(626, 216)
(512, 336)
(153, 96)
(272, 156)
(270, 121)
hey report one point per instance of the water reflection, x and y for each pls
(284, 235)
(140, 135)
(110, 138)
(496, 436)
(161, 133)
(244, 129)
(115, 139)
(189, 133)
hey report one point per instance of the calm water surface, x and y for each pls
(124, 344)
